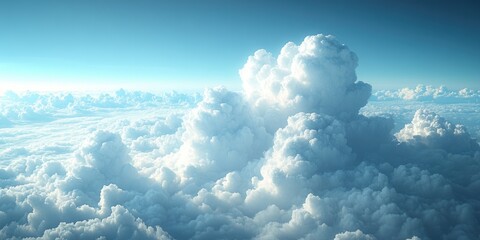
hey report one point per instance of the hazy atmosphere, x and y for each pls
(342, 120)
(91, 45)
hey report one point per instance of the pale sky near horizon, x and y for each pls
(188, 44)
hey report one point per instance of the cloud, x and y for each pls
(32, 107)
(308, 146)
(401, 112)
(357, 235)
(105, 152)
(427, 93)
(316, 76)
(119, 225)
(434, 131)
(292, 156)
(221, 134)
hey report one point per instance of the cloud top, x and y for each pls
(316, 76)
(434, 131)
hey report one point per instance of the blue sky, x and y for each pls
(185, 44)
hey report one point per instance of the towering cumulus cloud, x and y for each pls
(290, 157)
(316, 76)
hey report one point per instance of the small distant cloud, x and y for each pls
(426, 93)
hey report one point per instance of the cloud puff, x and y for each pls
(434, 131)
(105, 152)
(290, 157)
(119, 225)
(357, 235)
(221, 135)
(309, 145)
(316, 76)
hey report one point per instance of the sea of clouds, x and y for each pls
(429, 94)
(300, 153)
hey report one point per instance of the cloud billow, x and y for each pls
(316, 76)
(290, 157)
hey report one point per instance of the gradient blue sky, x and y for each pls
(184, 44)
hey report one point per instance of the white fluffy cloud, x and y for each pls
(290, 157)
(434, 131)
(427, 93)
(119, 225)
(316, 76)
(221, 135)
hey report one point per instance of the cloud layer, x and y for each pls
(429, 94)
(30, 107)
(290, 157)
